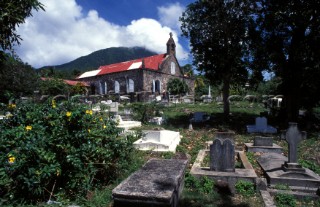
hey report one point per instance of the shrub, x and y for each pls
(285, 200)
(60, 148)
(245, 188)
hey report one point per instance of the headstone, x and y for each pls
(222, 155)
(263, 141)
(216, 153)
(293, 136)
(228, 156)
(114, 107)
(261, 126)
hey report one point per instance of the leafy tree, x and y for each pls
(217, 33)
(17, 78)
(53, 86)
(286, 41)
(177, 86)
(12, 14)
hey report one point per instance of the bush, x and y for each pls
(245, 188)
(60, 148)
(285, 200)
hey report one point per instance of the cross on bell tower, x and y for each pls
(171, 46)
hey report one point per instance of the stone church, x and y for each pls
(138, 78)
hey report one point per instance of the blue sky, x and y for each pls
(69, 29)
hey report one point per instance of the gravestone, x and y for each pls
(228, 156)
(293, 136)
(216, 155)
(222, 155)
(261, 126)
(114, 107)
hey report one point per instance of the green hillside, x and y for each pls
(102, 57)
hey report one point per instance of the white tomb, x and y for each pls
(160, 141)
(126, 124)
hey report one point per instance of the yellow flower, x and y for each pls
(68, 114)
(104, 126)
(58, 173)
(101, 119)
(12, 106)
(28, 128)
(53, 102)
(89, 130)
(11, 159)
(89, 112)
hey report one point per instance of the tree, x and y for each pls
(287, 33)
(12, 14)
(17, 78)
(176, 86)
(217, 33)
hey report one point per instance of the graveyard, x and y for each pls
(242, 168)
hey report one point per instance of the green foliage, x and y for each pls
(53, 86)
(310, 165)
(245, 188)
(145, 111)
(176, 86)
(203, 185)
(217, 33)
(286, 45)
(17, 78)
(285, 200)
(12, 14)
(60, 148)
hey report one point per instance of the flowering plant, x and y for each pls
(63, 150)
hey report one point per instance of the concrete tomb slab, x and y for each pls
(158, 140)
(263, 144)
(158, 183)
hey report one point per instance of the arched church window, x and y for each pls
(116, 87)
(173, 68)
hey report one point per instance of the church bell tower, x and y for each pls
(171, 46)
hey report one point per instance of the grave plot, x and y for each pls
(158, 183)
(158, 140)
(282, 170)
(222, 162)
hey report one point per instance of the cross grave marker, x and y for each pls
(293, 137)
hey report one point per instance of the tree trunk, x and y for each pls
(225, 94)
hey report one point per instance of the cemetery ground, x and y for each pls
(200, 193)
(205, 192)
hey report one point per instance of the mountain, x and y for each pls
(102, 57)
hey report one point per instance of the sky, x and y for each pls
(69, 29)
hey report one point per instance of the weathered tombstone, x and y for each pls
(228, 156)
(222, 155)
(293, 136)
(216, 153)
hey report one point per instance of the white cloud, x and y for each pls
(169, 15)
(63, 32)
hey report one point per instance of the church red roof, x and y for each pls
(151, 63)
